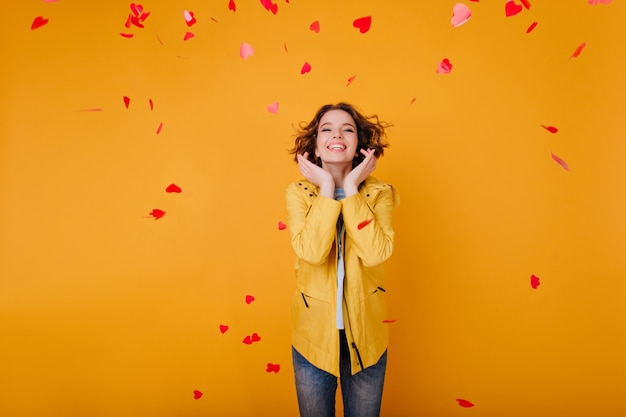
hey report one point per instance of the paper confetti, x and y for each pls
(190, 19)
(151, 104)
(38, 22)
(188, 35)
(173, 188)
(159, 128)
(197, 394)
(223, 328)
(594, 2)
(413, 100)
(127, 35)
(249, 299)
(531, 27)
(272, 7)
(560, 161)
(157, 213)
(315, 26)
(578, 50)
(511, 8)
(550, 129)
(464, 403)
(305, 68)
(350, 80)
(248, 340)
(126, 101)
(232, 6)
(389, 321)
(444, 67)
(364, 223)
(525, 3)
(534, 282)
(281, 226)
(363, 24)
(272, 367)
(245, 51)
(460, 14)
(273, 108)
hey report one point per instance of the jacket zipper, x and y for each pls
(304, 299)
(358, 355)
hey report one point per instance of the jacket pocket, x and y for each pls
(310, 317)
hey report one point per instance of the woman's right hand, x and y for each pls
(317, 175)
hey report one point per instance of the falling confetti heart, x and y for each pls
(464, 403)
(249, 299)
(560, 161)
(159, 128)
(188, 35)
(38, 22)
(127, 35)
(223, 328)
(363, 23)
(305, 68)
(350, 80)
(157, 213)
(273, 108)
(460, 14)
(232, 6)
(594, 2)
(281, 226)
(245, 50)
(315, 26)
(151, 104)
(126, 101)
(578, 50)
(196, 394)
(550, 129)
(248, 340)
(444, 67)
(525, 3)
(272, 7)
(511, 8)
(534, 282)
(389, 321)
(173, 188)
(272, 367)
(531, 27)
(190, 19)
(364, 223)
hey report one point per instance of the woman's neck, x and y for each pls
(338, 172)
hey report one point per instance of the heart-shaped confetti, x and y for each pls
(173, 188)
(137, 9)
(460, 14)
(444, 67)
(190, 19)
(350, 80)
(389, 321)
(249, 299)
(188, 35)
(560, 161)
(511, 8)
(531, 27)
(245, 50)
(159, 128)
(464, 403)
(126, 35)
(281, 226)
(126, 101)
(256, 337)
(550, 129)
(197, 394)
(38, 22)
(151, 104)
(248, 340)
(305, 68)
(578, 50)
(364, 223)
(157, 213)
(272, 367)
(594, 2)
(315, 26)
(232, 6)
(534, 282)
(223, 328)
(525, 3)
(272, 7)
(273, 108)
(363, 24)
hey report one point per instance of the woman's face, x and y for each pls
(336, 138)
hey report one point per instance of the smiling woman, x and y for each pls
(341, 232)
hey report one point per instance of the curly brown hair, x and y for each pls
(370, 133)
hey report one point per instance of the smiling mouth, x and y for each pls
(337, 147)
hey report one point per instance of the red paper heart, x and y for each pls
(232, 6)
(305, 68)
(190, 19)
(223, 328)
(38, 22)
(315, 26)
(126, 101)
(578, 50)
(550, 129)
(511, 8)
(137, 9)
(281, 226)
(534, 282)
(249, 299)
(464, 403)
(196, 394)
(127, 35)
(188, 35)
(273, 7)
(389, 321)
(151, 104)
(272, 367)
(256, 337)
(531, 27)
(159, 128)
(526, 4)
(157, 213)
(363, 23)
(247, 340)
(364, 223)
(173, 188)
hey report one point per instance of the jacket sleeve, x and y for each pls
(369, 226)
(312, 226)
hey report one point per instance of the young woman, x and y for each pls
(339, 220)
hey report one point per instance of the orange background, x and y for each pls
(105, 311)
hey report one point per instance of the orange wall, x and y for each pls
(105, 311)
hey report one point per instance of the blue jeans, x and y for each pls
(362, 393)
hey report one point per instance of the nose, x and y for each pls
(337, 134)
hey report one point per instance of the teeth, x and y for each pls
(337, 147)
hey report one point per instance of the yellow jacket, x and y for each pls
(312, 221)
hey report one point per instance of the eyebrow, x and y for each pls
(345, 124)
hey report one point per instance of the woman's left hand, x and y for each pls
(360, 172)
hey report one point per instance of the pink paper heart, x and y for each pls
(273, 108)
(197, 394)
(272, 367)
(305, 68)
(594, 2)
(245, 51)
(38, 22)
(444, 67)
(315, 26)
(534, 282)
(281, 226)
(223, 328)
(460, 14)
(249, 299)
